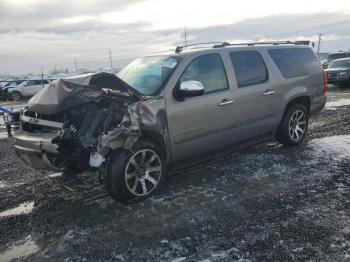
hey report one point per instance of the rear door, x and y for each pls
(200, 124)
(256, 95)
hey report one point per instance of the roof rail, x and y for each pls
(179, 49)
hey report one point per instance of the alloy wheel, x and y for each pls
(143, 172)
(297, 125)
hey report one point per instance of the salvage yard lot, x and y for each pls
(265, 203)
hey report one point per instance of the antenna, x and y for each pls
(185, 36)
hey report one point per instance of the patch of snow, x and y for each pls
(2, 184)
(55, 175)
(3, 135)
(333, 105)
(20, 250)
(164, 241)
(179, 259)
(334, 147)
(24, 208)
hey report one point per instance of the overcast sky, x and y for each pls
(49, 33)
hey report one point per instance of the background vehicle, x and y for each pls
(6, 86)
(27, 88)
(338, 72)
(335, 56)
(192, 104)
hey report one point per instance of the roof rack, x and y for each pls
(179, 49)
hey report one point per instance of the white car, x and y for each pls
(26, 89)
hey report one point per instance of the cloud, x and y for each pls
(49, 42)
(29, 15)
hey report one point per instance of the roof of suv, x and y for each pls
(205, 47)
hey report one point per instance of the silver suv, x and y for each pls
(166, 109)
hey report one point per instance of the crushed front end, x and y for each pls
(77, 123)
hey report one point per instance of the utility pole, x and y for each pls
(75, 63)
(319, 43)
(110, 60)
(185, 36)
(42, 76)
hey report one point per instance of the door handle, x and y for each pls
(225, 102)
(269, 92)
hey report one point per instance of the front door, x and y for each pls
(200, 124)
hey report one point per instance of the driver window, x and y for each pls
(209, 70)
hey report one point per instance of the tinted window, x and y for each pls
(30, 83)
(209, 70)
(332, 57)
(294, 62)
(249, 67)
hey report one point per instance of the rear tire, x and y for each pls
(15, 96)
(137, 174)
(293, 128)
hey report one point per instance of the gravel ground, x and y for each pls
(266, 203)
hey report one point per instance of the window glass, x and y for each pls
(30, 83)
(294, 62)
(249, 68)
(209, 70)
(148, 74)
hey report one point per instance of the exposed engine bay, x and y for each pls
(85, 121)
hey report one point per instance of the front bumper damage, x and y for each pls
(79, 127)
(36, 151)
(50, 151)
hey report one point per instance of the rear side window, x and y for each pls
(294, 62)
(209, 70)
(249, 67)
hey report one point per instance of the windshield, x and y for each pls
(339, 64)
(148, 74)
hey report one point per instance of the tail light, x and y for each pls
(325, 83)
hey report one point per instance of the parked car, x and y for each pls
(6, 86)
(162, 110)
(338, 72)
(27, 88)
(336, 56)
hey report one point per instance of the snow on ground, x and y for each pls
(55, 175)
(334, 104)
(3, 135)
(332, 147)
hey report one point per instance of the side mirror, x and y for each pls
(191, 88)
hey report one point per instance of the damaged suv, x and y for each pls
(166, 109)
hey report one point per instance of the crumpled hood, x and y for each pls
(63, 94)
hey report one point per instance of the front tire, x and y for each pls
(137, 174)
(293, 128)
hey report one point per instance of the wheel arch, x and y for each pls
(158, 139)
(302, 99)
